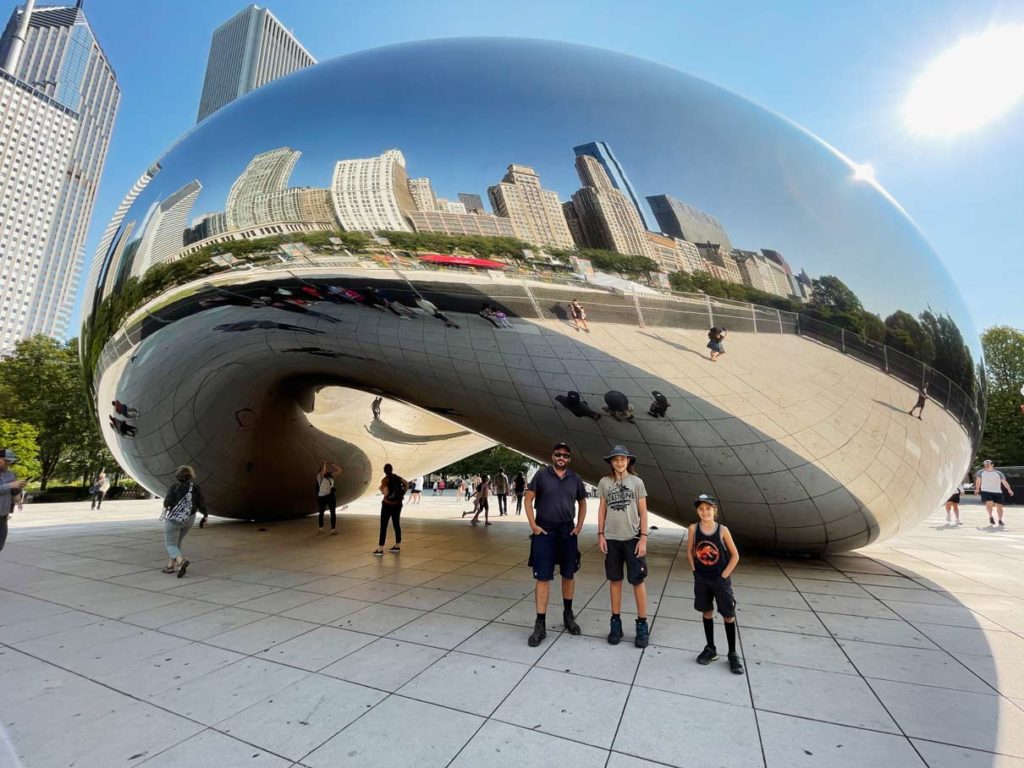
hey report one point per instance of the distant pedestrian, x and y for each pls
(622, 535)
(10, 490)
(713, 557)
(436, 487)
(123, 410)
(99, 490)
(393, 487)
(555, 492)
(326, 497)
(519, 486)
(616, 405)
(482, 493)
(659, 405)
(182, 501)
(716, 342)
(415, 492)
(430, 308)
(375, 407)
(953, 506)
(500, 485)
(990, 482)
(579, 315)
(922, 398)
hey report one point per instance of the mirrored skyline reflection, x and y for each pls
(461, 111)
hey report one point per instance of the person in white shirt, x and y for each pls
(325, 495)
(990, 483)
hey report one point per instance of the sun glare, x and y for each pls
(971, 84)
(864, 172)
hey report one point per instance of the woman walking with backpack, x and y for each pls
(181, 503)
(393, 487)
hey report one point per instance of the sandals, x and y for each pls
(182, 568)
(168, 569)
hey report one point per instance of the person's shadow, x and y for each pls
(675, 345)
(891, 407)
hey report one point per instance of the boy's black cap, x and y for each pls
(705, 499)
(563, 446)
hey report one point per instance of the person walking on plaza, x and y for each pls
(990, 482)
(415, 490)
(622, 536)
(716, 342)
(393, 487)
(922, 398)
(325, 495)
(953, 506)
(99, 490)
(579, 315)
(482, 493)
(551, 510)
(519, 486)
(375, 407)
(10, 491)
(713, 557)
(181, 502)
(501, 492)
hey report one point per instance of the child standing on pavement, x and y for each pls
(622, 536)
(713, 557)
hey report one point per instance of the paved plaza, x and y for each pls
(283, 648)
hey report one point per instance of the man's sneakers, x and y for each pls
(615, 633)
(1001, 524)
(708, 655)
(735, 665)
(539, 633)
(570, 623)
(643, 633)
(991, 520)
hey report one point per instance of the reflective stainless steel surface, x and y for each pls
(254, 360)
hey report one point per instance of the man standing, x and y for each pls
(990, 482)
(10, 490)
(555, 492)
(100, 488)
(500, 486)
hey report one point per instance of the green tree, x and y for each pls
(832, 296)
(488, 462)
(621, 263)
(874, 328)
(1003, 438)
(23, 439)
(952, 356)
(904, 333)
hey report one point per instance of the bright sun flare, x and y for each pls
(971, 84)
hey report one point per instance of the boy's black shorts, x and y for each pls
(709, 590)
(623, 553)
(560, 547)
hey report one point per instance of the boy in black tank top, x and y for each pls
(713, 557)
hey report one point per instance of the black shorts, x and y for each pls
(719, 590)
(995, 498)
(559, 546)
(623, 553)
(954, 499)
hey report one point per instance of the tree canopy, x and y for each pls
(489, 462)
(1003, 439)
(23, 439)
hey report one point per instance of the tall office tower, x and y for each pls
(720, 262)
(600, 151)
(690, 255)
(449, 206)
(267, 172)
(536, 213)
(52, 52)
(608, 218)
(248, 50)
(572, 219)
(164, 234)
(100, 263)
(680, 220)
(423, 194)
(444, 222)
(472, 202)
(372, 194)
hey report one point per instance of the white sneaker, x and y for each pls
(320, 531)
(333, 532)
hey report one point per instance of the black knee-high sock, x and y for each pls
(709, 631)
(730, 634)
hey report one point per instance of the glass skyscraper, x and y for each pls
(54, 54)
(600, 151)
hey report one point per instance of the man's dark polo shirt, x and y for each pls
(555, 497)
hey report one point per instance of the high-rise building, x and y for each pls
(572, 219)
(266, 173)
(607, 217)
(690, 256)
(680, 220)
(536, 213)
(372, 194)
(164, 234)
(445, 205)
(600, 151)
(444, 222)
(60, 80)
(422, 194)
(472, 202)
(720, 262)
(248, 50)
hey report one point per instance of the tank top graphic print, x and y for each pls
(709, 553)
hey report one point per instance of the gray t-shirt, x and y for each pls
(7, 492)
(622, 502)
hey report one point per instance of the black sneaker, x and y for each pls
(991, 520)
(735, 665)
(1001, 523)
(708, 655)
(643, 633)
(615, 634)
(539, 633)
(570, 623)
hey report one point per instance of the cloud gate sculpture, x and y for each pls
(414, 223)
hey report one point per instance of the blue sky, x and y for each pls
(842, 72)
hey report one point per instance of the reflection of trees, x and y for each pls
(905, 334)
(611, 261)
(478, 245)
(1003, 440)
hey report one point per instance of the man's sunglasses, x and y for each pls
(562, 455)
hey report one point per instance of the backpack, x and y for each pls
(395, 491)
(183, 510)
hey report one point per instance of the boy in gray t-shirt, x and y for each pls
(622, 535)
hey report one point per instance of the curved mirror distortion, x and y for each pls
(332, 303)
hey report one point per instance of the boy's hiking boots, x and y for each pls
(615, 634)
(643, 633)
